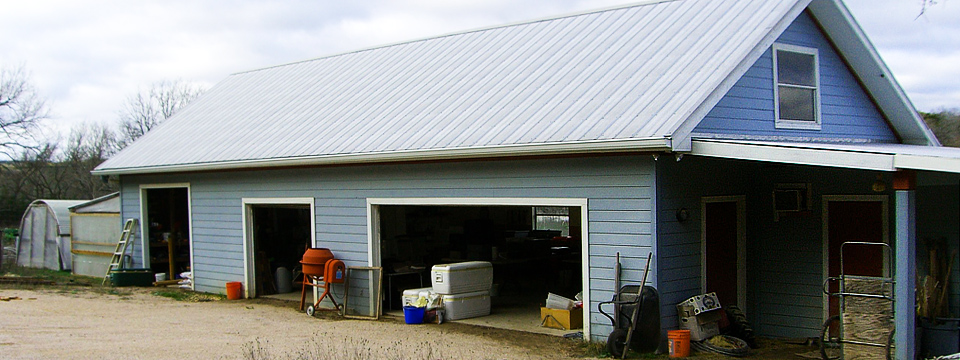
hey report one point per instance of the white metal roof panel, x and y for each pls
(589, 81)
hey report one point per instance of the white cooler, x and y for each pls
(466, 305)
(462, 277)
(411, 295)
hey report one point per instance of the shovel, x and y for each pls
(636, 310)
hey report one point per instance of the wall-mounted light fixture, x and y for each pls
(682, 214)
(879, 185)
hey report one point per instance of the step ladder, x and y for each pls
(126, 236)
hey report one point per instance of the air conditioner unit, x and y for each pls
(791, 198)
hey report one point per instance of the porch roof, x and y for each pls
(866, 156)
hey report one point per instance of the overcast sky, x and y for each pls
(87, 57)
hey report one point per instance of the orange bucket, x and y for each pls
(679, 343)
(233, 290)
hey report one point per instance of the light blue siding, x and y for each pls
(847, 113)
(784, 262)
(618, 190)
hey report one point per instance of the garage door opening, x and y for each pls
(535, 250)
(166, 226)
(277, 234)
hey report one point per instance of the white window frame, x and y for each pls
(797, 124)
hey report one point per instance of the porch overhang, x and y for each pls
(864, 156)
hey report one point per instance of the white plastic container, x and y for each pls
(462, 277)
(411, 295)
(466, 305)
(555, 301)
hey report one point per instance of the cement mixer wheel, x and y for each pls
(311, 310)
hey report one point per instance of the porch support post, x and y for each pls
(904, 184)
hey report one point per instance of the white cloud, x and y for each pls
(89, 56)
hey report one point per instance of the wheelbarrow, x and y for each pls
(646, 324)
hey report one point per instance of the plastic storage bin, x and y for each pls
(466, 305)
(462, 277)
(132, 277)
(411, 295)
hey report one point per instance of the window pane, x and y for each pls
(797, 104)
(552, 210)
(796, 68)
(554, 222)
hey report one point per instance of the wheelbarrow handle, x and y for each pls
(600, 308)
(826, 284)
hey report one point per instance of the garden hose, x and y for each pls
(723, 345)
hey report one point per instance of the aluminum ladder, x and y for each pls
(116, 262)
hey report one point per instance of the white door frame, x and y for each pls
(825, 236)
(741, 201)
(249, 274)
(145, 223)
(373, 228)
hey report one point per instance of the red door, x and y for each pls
(860, 221)
(720, 233)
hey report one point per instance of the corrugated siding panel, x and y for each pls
(626, 73)
(618, 190)
(846, 111)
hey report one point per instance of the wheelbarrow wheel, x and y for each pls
(830, 345)
(311, 310)
(616, 342)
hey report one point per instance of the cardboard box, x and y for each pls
(561, 319)
(702, 326)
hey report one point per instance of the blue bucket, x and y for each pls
(413, 315)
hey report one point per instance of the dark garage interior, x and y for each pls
(281, 233)
(534, 250)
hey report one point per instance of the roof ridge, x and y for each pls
(463, 32)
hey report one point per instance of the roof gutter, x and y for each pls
(499, 151)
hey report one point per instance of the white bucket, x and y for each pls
(160, 276)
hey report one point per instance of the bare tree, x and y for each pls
(88, 146)
(149, 108)
(21, 110)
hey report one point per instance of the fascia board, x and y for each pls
(546, 149)
(854, 46)
(794, 155)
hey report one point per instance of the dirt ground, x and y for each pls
(133, 323)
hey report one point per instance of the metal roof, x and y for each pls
(107, 204)
(636, 77)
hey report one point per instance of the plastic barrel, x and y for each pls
(233, 290)
(284, 280)
(679, 343)
(413, 314)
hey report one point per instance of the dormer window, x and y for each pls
(797, 87)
